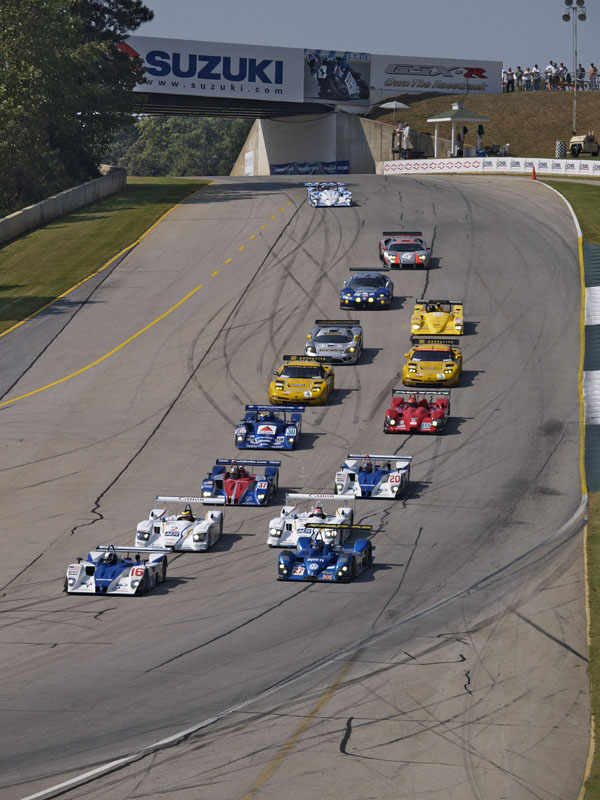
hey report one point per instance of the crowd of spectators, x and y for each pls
(554, 77)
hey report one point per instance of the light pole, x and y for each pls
(576, 12)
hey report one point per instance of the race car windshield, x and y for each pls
(293, 371)
(433, 355)
(368, 281)
(407, 247)
(333, 337)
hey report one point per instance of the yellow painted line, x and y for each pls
(273, 217)
(252, 237)
(100, 269)
(242, 247)
(580, 373)
(212, 274)
(227, 260)
(262, 227)
(106, 355)
(588, 617)
(282, 209)
(288, 746)
(289, 202)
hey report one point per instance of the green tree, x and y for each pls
(65, 89)
(181, 145)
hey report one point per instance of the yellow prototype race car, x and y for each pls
(438, 318)
(302, 379)
(432, 362)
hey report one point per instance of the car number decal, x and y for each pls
(262, 485)
(292, 431)
(298, 570)
(137, 572)
(395, 478)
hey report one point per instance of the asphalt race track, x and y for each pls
(457, 666)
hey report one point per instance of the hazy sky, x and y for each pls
(516, 32)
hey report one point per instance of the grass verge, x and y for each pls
(41, 265)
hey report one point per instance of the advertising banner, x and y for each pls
(543, 166)
(215, 69)
(336, 76)
(395, 75)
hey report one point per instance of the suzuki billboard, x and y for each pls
(395, 75)
(214, 69)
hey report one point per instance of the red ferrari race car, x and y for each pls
(417, 412)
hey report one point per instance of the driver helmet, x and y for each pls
(317, 544)
(318, 512)
(110, 558)
(187, 514)
(312, 60)
(234, 471)
(367, 464)
(412, 401)
(264, 415)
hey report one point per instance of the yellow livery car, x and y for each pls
(302, 379)
(438, 318)
(432, 362)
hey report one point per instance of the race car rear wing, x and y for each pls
(315, 496)
(169, 499)
(402, 233)
(369, 269)
(304, 358)
(384, 458)
(452, 302)
(350, 323)
(418, 340)
(118, 549)
(430, 392)
(300, 409)
(246, 462)
(321, 525)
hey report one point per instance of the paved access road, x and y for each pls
(470, 680)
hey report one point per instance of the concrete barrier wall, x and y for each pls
(39, 214)
(325, 137)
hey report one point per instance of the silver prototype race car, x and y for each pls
(400, 249)
(328, 193)
(373, 476)
(293, 521)
(173, 524)
(112, 570)
(338, 340)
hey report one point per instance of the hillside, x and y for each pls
(531, 121)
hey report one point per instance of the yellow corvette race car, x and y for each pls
(302, 379)
(438, 318)
(432, 362)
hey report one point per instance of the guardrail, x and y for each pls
(40, 213)
(491, 164)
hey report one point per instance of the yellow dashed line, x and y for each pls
(273, 217)
(212, 274)
(242, 247)
(252, 237)
(106, 355)
(262, 226)
(227, 260)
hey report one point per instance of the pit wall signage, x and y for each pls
(542, 166)
(216, 69)
(394, 75)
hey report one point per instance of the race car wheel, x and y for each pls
(162, 572)
(144, 585)
(65, 586)
(369, 554)
(353, 570)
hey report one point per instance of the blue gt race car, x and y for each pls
(328, 193)
(111, 570)
(317, 558)
(229, 479)
(367, 288)
(373, 476)
(263, 429)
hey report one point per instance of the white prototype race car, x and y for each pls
(173, 524)
(293, 521)
(112, 570)
(328, 193)
(373, 476)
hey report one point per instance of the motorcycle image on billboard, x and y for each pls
(337, 77)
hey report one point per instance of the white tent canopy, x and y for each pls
(458, 113)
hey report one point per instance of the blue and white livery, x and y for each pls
(328, 193)
(264, 429)
(373, 476)
(111, 570)
(231, 479)
(318, 558)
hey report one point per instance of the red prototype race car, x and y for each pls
(417, 412)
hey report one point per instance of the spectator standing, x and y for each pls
(459, 145)
(535, 75)
(555, 76)
(510, 80)
(593, 76)
(580, 77)
(562, 76)
(548, 73)
(519, 77)
(406, 137)
(503, 81)
(527, 79)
